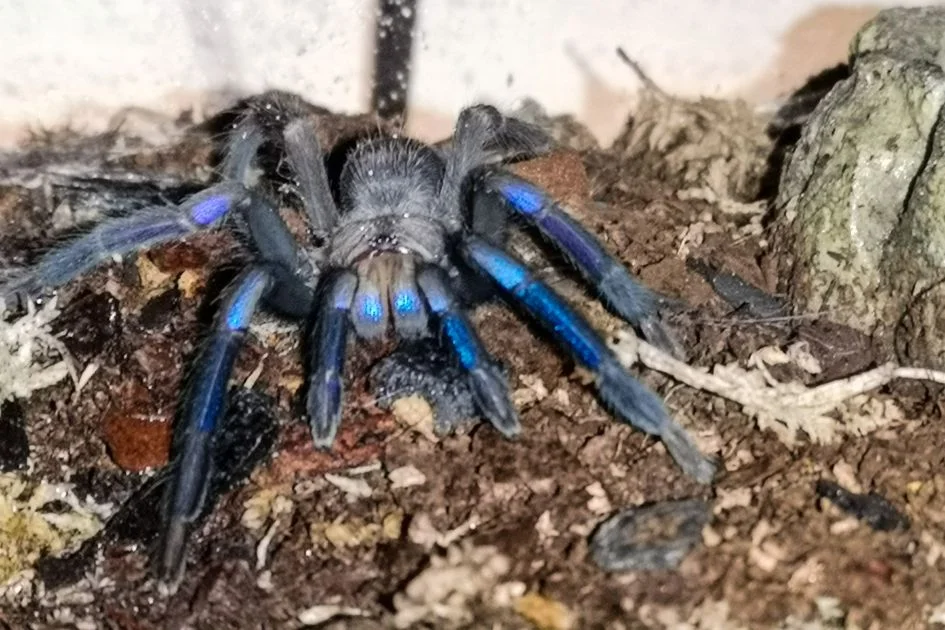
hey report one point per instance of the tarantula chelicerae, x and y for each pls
(412, 228)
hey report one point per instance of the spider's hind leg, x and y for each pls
(631, 401)
(631, 300)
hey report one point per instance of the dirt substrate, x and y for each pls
(417, 515)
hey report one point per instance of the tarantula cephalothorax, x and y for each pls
(412, 226)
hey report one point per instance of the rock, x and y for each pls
(863, 194)
(421, 368)
(871, 508)
(89, 325)
(138, 435)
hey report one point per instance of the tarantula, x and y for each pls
(412, 229)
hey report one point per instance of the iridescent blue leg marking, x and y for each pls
(631, 401)
(143, 229)
(406, 305)
(329, 337)
(630, 299)
(410, 317)
(202, 409)
(369, 313)
(489, 386)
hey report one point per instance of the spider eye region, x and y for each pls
(210, 210)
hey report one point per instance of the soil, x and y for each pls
(774, 554)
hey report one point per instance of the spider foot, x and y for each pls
(638, 406)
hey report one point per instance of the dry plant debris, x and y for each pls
(29, 529)
(31, 358)
(446, 592)
(711, 149)
(786, 408)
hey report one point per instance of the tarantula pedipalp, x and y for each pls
(413, 227)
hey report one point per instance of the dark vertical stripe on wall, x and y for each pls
(393, 41)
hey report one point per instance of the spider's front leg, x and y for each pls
(625, 295)
(489, 386)
(201, 410)
(631, 401)
(329, 338)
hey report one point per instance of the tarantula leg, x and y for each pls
(329, 337)
(484, 135)
(202, 409)
(144, 228)
(305, 158)
(490, 387)
(287, 116)
(631, 401)
(410, 316)
(290, 295)
(630, 299)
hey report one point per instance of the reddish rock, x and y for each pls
(360, 440)
(179, 256)
(561, 173)
(137, 431)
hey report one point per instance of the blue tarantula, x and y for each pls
(397, 243)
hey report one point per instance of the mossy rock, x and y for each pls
(864, 190)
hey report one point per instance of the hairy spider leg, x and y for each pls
(406, 306)
(630, 299)
(484, 136)
(275, 244)
(286, 116)
(114, 237)
(489, 386)
(329, 338)
(307, 162)
(273, 241)
(202, 408)
(632, 402)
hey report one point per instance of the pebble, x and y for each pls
(406, 477)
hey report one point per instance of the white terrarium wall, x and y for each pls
(79, 62)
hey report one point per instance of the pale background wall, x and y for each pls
(78, 61)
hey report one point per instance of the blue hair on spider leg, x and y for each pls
(464, 342)
(522, 196)
(242, 305)
(576, 243)
(552, 311)
(437, 299)
(127, 234)
(370, 308)
(211, 209)
(508, 272)
(406, 302)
